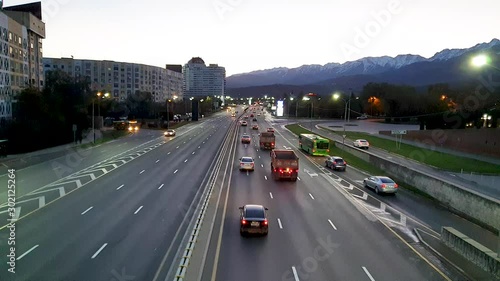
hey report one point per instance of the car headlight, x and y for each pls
(130, 128)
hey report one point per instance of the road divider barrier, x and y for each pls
(471, 250)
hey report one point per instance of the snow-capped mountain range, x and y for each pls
(310, 74)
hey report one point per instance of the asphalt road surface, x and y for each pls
(122, 220)
(317, 232)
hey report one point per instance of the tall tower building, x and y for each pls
(201, 80)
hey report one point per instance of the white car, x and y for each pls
(169, 133)
(360, 143)
(247, 163)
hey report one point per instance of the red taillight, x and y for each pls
(383, 185)
(272, 143)
(345, 163)
(396, 185)
(243, 222)
(297, 170)
(265, 222)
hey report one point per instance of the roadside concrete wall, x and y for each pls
(467, 202)
(471, 250)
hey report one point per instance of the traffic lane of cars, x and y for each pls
(348, 222)
(297, 224)
(116, 206)
(253, 257)
(427, 213)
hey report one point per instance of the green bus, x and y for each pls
(314, 144)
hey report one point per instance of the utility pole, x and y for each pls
(93, 128)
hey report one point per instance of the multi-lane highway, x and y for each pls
(322, 227)
(112, 212)
(120, 210)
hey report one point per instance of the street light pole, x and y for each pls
(93, 128)
(168, 117)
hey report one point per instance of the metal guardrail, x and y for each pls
(189, 249)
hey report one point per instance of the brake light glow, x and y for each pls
(243, 222)
(383, 185)
(345, 163)
(265, 222)
(297, 170)
(396, 185)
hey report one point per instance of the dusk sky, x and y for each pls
(247, 35)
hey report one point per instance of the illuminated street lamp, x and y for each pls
(486, 118)
(336, 97)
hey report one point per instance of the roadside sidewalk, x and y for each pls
(19, 161)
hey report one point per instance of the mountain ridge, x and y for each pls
(314, 73)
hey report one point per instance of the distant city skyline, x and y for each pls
(244, 36)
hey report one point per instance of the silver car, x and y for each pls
(381, 184)
(247, 163)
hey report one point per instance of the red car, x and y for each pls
(246, 139)
(270, 130)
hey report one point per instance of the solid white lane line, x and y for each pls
(98, 251)
(279, 223)
(185, 161)
(160, 186)
(265, 177)
(27, 252)
(168, 153)
(295, 275)
(175, 171)
(119, 187)
(142, 171)
(368, 273)
(270, 194)
(193, 152)
(331, 223)
(137, 211)
(298, 178)
(177, 147)
(312, 197)
(157, 161)
(84, 212)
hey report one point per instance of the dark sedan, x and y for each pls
(335, 163)
(253, 219)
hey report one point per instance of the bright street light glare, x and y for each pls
(336, 96)
(479, 60)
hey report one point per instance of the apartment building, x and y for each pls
(21, 35)
(201, 80)
(121, 79)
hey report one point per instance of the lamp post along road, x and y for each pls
(93, 127)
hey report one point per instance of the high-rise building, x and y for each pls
(21, 34)
(201, 80)
(121, 79)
